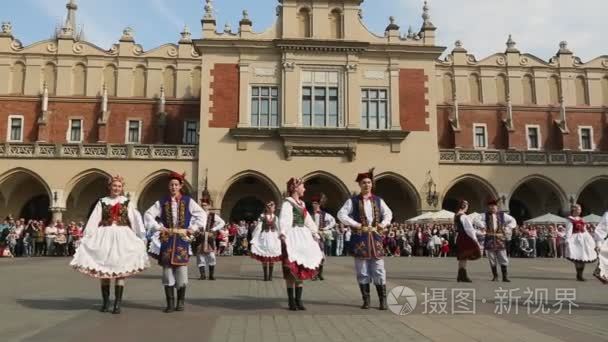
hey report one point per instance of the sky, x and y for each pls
(482, 25)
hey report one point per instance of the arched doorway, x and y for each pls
(324, 183)
(535, 196)
(245, 196)
(594, 196)
(84, 192)
(399, 194)
(26, 195)
(471, 188)
(156, 187)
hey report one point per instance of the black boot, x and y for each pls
(105, 295)
(494, 273)
(462, 273)
(118, 298)
(505, 277)
(265, 267)
(299, 304)
(292, 301)
(381, 289)
(201, 269)
(579, 273)
(170, 296)
(270, 269)
(365, 294)
(459, 277)
(320, 275)
(181, 297)
(211, 271)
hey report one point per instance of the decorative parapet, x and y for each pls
(98, 151)
(507, 157)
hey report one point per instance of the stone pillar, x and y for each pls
(290, 86)
(353, 95)
(394, 97)
(244, 79)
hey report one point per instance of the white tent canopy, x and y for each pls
(442, 216)
(547, 219)
(594, 219)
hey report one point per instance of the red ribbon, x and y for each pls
(115, 211)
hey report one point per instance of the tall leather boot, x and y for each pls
(201, 269)
(580, 269)
(291, 299)
(211, 271)
(105, 295)
(465, 277)
(265, 267)
(381, 289)
(505, 277)
(181, 298)
(365, 295)
(320, 275)
(270, 270)
(170, 296)
(299, 304)
(459, 277)
(494, 273)
(118, 290)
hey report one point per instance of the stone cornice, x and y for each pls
(96, 99)
(517, 158)
(556, 108)
(98, 151)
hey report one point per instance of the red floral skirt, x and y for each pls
(467, 248)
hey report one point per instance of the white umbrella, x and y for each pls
(424, 217)
(547, 219)
(593, 219)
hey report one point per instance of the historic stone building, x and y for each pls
(318, 96)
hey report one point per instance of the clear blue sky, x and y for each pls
(483, 25)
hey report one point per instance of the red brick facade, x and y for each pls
(225, 97)
(412, 100)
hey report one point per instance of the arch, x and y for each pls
(71, 184)
(475, 89)
(195, 82)
(169, 80)
(474, 189)
(79, 76)
(154, 187)
(244, 195)
(110, 77)
(305, 22)
(529, 97)
(580, 84)
(399, 194)
(336, 28)
(49, 77)
(605, 90)
(139, 81)
(536, 195)
(18, 78)
(29, 194)
(324, 182)
(501, 88)
(448, 88)
(593, 196)
(553, 83)
(83, 191)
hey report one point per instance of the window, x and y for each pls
(320, 99)
(586, 138)
(374, 109)
(191, 132)
(264, 106)
(75, 132)
(533, 137)
(15, 128)
(133, 132)
(480, 137)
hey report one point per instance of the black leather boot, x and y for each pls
(201, 269)
(579, 273)
(459, 277)
(320, 275)
(181, 298)
(118, 290)
(292, 301)
(494, 273)
(381, 289)
(365, 295)
(211, 271)
(505, 275)
(270, 269)
(105, 295)
(265, 267)
(299, 304)
(170, 296)
(465, 277)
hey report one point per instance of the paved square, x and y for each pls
(44, 300)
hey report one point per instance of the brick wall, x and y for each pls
(29, 110)
(225, 97)
(551, 137)
(599, 123)
(412, 100)
(496, 132)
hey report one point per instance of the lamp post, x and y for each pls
(432, 198)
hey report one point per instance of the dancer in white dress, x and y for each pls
(301, 253)
(265, 241)
(580, 247)
(601, 231)
(113, 246)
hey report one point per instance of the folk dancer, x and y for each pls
(368, 215)
(467, 247)
(601, 232)
(113, 246)
(326, 224)
(265, 241)
(499, 227)
(177, 217)
(299, 233)
(580, 248)
(207, 248)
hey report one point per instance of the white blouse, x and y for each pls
(137, 224)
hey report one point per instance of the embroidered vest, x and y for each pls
(117, 213)
(578, 225)
(299, 213)
(183, 213)
(268, 225)
(500, 221)
(358, 212)
(322, 219)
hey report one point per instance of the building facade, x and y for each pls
(316, 96)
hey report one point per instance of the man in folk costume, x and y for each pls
(368, 215)
(498, 226)
(207, 248)
(177, 217)
(325, 222)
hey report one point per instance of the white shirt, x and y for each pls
(286, 217)
(218, 223)
(468, 227)
(330, 221)
(601, 231)
(509, 224)
(198, 220)
(134, 217)
(347, 210)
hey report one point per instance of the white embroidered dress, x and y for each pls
(265, 241)
(600, 233)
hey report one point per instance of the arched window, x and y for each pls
(139, 82)
(195, 83)
(17, 78)
(501, 89)
(528, 90)
(49, 76)
(605, 91)
(581, 91)
(169, 81)
(553, 90)
(109, 79)
(335, 24)
(448, 88)
(304, 23)
(79, 80)
(475, 89)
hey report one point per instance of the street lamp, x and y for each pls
(431, 196)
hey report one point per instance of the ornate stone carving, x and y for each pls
(137, 49)
(605, 63)
(375, 74)
(501, 60)
(502, 157)
(186, 35)
(172, 52)
(289, 65)
(97, 151)
(78, 48)
(350, 152)
(193, 53)
(525, 61)
(16, 45)
(51, 47)
(113, 50)
(265, 72)
(352, 67)
(127, 35)
(6, 29)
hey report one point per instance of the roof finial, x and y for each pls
(511, 44)
(245, 20)
(209, 10)
(563, 48)
(127, 35)
(227, 28)
(7, 29)
(392, 26)
(426, 16)
(186, 35)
